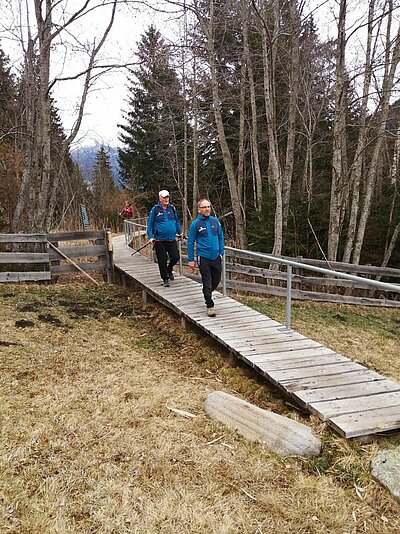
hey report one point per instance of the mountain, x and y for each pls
(85, 156)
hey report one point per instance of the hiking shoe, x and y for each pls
(166, 283)
(211, 312)
(171, 276)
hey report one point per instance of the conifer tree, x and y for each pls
(152, 137)
(103, 187)
(10, 160)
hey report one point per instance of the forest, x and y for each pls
(292, 134)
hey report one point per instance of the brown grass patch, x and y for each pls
(89, 443)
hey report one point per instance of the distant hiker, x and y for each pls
(207, 232)
(162, 227)
(127, 211)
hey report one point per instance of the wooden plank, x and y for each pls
(310, 295)
(334, 265)
(269, 274)
(246, 334)
(329, 409)
(328, 359)
(292, 384)
(346, 391)
(23, 238)
(365, 423)
(78, 251)
(316, 371)
(262, 340)
(75, 236)
(282, 347)
(64, 269)
(28, 276)
(24, 257)
(315, 351)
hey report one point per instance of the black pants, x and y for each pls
(211, 271)
(163, 248)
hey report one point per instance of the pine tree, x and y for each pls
(152, 138)
(10, 158)
(103, 188)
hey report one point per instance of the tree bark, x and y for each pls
(357, 165)
(339, 139)
(237, 208)
(392, 59)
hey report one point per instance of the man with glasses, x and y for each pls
(162, 227)
(206, 232)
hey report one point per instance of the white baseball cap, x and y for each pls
(163, 193)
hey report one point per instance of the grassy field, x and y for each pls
(90, 443)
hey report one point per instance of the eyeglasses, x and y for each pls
(166, 196)
(204, 207)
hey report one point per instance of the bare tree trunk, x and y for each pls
(391, 63)
(339, 139)
(41, 176)
(29, 152)
(258, 186)
(357, 166)
(241, 142)
(237, 208)
(89, 78)
(294, 83)
(195, 107)
(269, 56)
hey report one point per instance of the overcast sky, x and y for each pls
(106, 101)
(103, 109)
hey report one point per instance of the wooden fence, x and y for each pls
(243, 273)
(40, 257)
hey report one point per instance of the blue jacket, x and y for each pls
(209, 237)
(163, 225)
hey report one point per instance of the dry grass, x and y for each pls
(89, 443)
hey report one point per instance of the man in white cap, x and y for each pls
(162, 227)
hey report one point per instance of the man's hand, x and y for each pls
(151, 240)
(192, 265)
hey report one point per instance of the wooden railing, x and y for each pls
(39, 257)
(256, 273)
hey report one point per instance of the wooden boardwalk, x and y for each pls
(349, 397)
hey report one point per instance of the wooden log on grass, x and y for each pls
(277, 433)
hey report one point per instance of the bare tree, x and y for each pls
(391, 62)
(207, 25)
(47, 22)
(339, 156)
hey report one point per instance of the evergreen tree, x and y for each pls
(10, 158)
(152, 138)
(103, 188)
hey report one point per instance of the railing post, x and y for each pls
(138, 232)
(224, 274)
(288, 297)
(180, 257)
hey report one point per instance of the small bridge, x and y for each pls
(353, 400)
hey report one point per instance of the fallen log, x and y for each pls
(276, 432)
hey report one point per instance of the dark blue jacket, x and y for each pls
(163, 225)
(209, 237)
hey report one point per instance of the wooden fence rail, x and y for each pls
(79, 251)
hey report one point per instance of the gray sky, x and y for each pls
(105, 102)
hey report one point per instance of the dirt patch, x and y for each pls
(24, 323)
(8, 344)
(49, 318)
(30, 307)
